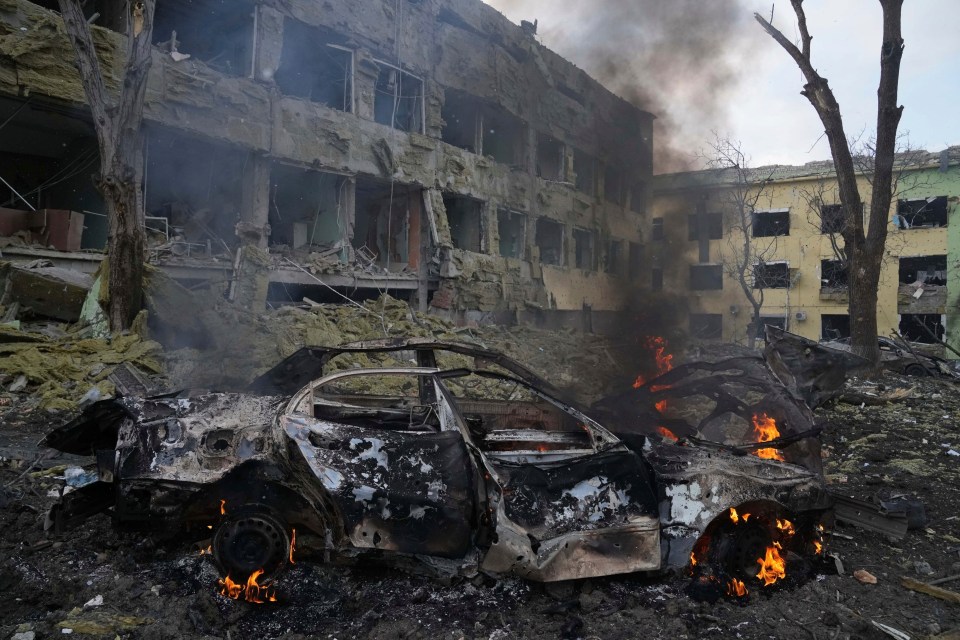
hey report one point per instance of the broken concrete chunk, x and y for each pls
(50, 292)
(865, 576)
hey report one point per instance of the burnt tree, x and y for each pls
(864, 247)
(117, 120)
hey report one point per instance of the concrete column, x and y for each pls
(254, 227)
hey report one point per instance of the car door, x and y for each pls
(393, 462)
(570, 501)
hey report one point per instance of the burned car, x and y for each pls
(911, 360)
(457, 460)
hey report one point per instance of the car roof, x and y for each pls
(308, 363)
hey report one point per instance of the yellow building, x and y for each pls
(791, 223)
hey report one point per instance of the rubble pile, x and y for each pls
(247, 346)
(60, 368)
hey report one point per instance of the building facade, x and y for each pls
(429, 148)
(793, 225)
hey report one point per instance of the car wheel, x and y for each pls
(250, 540)
(916, 369)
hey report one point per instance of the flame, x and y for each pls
(252, 591)
(666, 433)
(223, 509)
(206, 552)
(664, 360)
(817, 547)
(693, 559)
(766, 430)
(734, 516)
(772, 567)
(737, 588)
(293, 545)
(786, 526)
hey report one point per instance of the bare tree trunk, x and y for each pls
(864, 250)
(120, 138)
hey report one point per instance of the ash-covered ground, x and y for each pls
(97, 582)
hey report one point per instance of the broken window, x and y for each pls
(926, 212)
(774, 222)
(585, 168)
(503, 136)
(922, 327)
(308, 208)
(771, 275)
(775, 321)
(584, 248)
(46, 159)
(706, 326)
(705, 277)
(387, 225)
(314, 67)
(924, 269)
(614, 264)
(398, 100)
(613, 189)
(551, 161)
(834, 326)
(549, 239)
(460, 114)
(465, 216)
(217, 33)
(833, 274)
(636, 260)
(832, 219)
(656, 279)
(656, 229)
(638, 197)
(196, 186)
(483, 129)
(512, 227)
(705, 226)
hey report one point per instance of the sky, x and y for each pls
(754, 95)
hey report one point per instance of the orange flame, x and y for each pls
(693, 559)
(252, 591)
(786, 526)
(737, 588)
(734, 516)
(223, 509)
(293, 545)
(664, 360)
(666, 433)
(206, 552)
(772, 567)
(817, 547)
(766, 430)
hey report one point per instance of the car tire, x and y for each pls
(252, 539)
(915, 370)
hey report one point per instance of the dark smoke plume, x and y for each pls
(683, 60)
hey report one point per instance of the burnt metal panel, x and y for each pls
(407, 492)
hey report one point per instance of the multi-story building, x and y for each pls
(422, 146)
(793, 226)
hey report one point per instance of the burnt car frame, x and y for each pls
(457, 470)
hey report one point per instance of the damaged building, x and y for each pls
(430, 149)
(795, 227)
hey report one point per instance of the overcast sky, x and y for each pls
(760, 103)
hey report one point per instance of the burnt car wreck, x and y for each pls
(456, 460)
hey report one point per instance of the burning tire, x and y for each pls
(252, 540)
(748, 548)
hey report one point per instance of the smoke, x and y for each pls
(686, 61)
